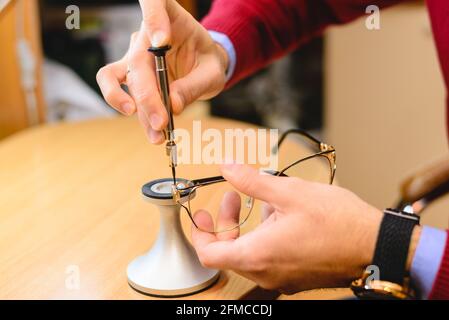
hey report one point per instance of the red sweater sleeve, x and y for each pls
(440, 289)
(263, 30)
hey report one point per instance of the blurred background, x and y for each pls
(377, 96)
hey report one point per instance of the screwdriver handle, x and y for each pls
(164, 86)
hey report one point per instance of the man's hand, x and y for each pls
(313, 235)
(197, 66)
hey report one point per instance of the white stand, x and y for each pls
(171, 267)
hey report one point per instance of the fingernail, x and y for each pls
(156, 121)
(128, 108)
(155, 136)
(158, 39)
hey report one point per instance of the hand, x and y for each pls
(313, 235)
(197, 66)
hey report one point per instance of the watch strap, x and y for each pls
(393, 244)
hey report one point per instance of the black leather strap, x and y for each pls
(393, 244)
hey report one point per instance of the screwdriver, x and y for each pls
(162, 77)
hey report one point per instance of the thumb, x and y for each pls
(156, 21)
(253, 183)
(203, 82)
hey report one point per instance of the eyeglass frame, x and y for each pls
(326, 151)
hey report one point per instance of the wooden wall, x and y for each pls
(13, 110)
(385, 110)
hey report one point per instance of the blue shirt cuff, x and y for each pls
(427, 260)
(226, 43)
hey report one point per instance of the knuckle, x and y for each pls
(109, 96)
(178, 103)
(101, 73)
(187, 96)
(217, 83)
(218, 72)
(185, 92)
(142, 96)
(255, 261)
(260, 263)
(246, 182)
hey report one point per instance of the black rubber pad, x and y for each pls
(148, 192)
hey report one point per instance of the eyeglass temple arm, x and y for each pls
(217, 179)
(425, 186)
(206, 181)
(298, 131)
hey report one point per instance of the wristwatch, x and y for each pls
(386, 277)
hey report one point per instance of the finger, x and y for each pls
(212, 252)
(203, 82)
(251, 182)
(229, 216)
(155, 137)
(143, 86)
(109, 79)
(157, 22)
(203, 220)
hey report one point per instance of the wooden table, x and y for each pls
(70, 201)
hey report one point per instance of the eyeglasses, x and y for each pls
(215, 194)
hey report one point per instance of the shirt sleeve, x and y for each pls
(427, 260)
(228, 46)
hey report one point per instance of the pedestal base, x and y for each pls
(144, 276)
(171, 268)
